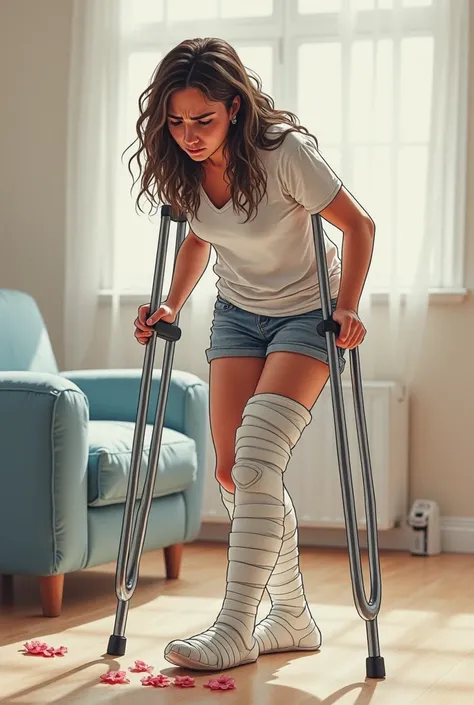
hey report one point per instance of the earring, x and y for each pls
(234, 120)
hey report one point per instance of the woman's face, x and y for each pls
(197, 124)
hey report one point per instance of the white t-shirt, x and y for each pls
(268, 265)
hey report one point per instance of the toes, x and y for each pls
(188, 651)
(180, 647)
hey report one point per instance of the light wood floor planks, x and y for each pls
(426, 632)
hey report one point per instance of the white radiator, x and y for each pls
(312, 475)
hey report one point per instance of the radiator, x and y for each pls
(312, 475)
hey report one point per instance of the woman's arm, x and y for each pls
(358, 228)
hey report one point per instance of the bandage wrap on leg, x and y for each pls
(271, 426)
(289, 626)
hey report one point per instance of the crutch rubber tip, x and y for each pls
(375, 667)
(117, 645)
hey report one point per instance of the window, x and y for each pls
(314, 70)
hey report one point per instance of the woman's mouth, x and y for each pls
(196, 151)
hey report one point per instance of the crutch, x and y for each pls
(131, 543)
(367, 609)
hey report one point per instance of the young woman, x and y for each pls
(248, 178)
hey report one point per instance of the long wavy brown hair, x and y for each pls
(213, 66)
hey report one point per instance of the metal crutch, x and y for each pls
(131, 545)
(367, 609)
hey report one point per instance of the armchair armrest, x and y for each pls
(43, 473)
(113, 395)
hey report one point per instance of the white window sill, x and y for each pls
(437, 297)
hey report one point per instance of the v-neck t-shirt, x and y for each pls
(268, 265)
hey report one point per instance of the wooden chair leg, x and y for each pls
(7, 589)
(51, 590)
(173, 560)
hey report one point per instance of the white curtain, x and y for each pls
(393, 348)
(92, 167)
(394, 342)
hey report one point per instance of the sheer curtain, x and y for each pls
(413, 206)
(92, 168)
(393, 347)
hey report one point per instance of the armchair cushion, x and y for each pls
(113, 396)
(110, 455)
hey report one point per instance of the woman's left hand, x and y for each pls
(352, 331)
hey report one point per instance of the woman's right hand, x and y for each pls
(144, 322)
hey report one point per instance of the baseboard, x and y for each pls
(457, 536)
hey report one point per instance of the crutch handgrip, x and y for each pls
(328, 326)
(167, 331)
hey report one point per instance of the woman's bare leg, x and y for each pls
(232, 381)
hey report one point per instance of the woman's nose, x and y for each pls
(189, 138)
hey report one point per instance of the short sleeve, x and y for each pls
(305, 175)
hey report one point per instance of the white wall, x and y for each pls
(34, 48)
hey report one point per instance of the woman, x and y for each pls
(249, 178)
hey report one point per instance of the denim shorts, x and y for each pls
(239, 333)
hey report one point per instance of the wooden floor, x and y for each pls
(426, 632)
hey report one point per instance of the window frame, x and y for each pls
(285, 31)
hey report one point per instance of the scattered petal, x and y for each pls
(213, 684)
(159, 681)
(41, 648)
(113, 677)
(185, 682)
(35, 646)
(221, 683)
(141, 667)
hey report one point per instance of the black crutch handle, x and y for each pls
(329, 325)
(167, 331)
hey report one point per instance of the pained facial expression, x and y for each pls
(207, 133)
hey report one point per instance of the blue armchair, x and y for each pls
(65, 451)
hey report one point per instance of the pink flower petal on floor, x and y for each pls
(41, 648)
(35, 646)
(213, 684)
(185, 682)
(141, 667)
(221, 683)
(113, 677)
(159, 681)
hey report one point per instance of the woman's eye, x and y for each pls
(201, 122)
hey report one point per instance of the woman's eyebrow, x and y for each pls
(177, 117)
